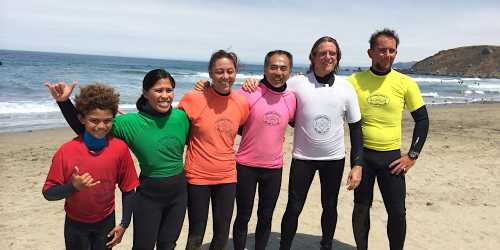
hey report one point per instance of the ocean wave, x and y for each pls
(449, 79)
(430, 94)
(26, 108)
(134, 72)
(485, 87)
(238, 76)
(435, 80)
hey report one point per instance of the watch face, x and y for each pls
(413, 155)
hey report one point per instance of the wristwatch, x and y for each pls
(413, 155)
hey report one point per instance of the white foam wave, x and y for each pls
(430, 94)
(435, 80)
(127, 107)
(472, 79)
(453, 97)
(485, 87)
(27, 107)
(40, 107)
(449, 80)
(202, 74)
(238, 76)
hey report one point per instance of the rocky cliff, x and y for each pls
(471, 61)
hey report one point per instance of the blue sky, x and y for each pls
(193, 29)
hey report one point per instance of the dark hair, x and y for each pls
(314, 50)
(385, 32)
(223, 54)
(278, 52)
(150, 80)
(97, 96)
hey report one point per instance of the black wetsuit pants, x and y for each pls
(222, 197)
(301, 176)
(159, 210)
(269, 181)
(393, 190)
(88, 236)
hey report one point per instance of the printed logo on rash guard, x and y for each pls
(377, 100)
(272, 118)
(165, 144)
(224, 126)
(322, 124)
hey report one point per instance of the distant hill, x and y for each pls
(404, 65)
(471, 61)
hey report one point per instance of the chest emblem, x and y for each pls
(272, 118)
(377, 100)
(322, 124)
(224, 126)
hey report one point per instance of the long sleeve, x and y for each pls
(127, 205)
(71, 115)
(356, 135)
(420, 130)
(59, 192)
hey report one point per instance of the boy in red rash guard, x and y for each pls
(85, 170)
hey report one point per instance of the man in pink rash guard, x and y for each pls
(260, 155)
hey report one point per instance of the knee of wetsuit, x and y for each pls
(265, 214)
(243, 216)
(360, 209)
(295, 209)
(330, 205)
(396, 212)
(365, 201)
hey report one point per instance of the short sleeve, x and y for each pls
(351, 79)
(117, 130)
(186, 104)
(353, 114)
(291, 104)
(55, 176)
(244, 110)
(127, 176)
(413, 98)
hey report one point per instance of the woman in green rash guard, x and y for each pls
(156, 135)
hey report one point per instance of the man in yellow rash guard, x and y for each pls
(382, 94)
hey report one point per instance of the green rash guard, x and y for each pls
(157, 142)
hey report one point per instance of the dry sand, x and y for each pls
(453, 199)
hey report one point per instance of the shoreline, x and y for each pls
(64, 124)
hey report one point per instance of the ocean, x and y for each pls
(26, 104)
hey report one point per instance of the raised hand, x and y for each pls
(84, 181)
(61, 91)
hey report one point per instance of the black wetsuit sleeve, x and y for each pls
(127, 204)
(420, 130)
(356, 135)
(59, 192)
(71, 115)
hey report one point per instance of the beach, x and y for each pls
(452, 192)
